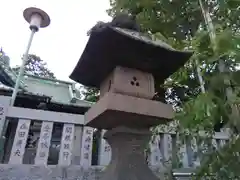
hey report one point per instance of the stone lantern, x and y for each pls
(124, 65)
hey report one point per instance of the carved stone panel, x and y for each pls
(129, 82)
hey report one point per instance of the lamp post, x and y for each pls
(36, 18)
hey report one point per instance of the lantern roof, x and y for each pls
(113, 46)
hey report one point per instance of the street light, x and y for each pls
(36, 18)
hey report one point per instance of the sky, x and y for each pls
(60, 44)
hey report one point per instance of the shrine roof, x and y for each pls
(8, 76)
(59, 92)
(7, 91)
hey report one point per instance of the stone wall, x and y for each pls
(33, 172)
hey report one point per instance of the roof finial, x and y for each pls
(5, 59)
(1, 52)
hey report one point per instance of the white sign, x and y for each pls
(2, 112)
(86, 150)
(44, 143)
(3, 109)
(65, 155)
(20, 141)
(105, 152)
(155, 156)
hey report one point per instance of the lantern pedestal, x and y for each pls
(128, 159)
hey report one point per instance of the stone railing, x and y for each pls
(75, 140)
(73, 172)
(75, 144)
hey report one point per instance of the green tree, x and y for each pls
(200, 90)
(36, 66)
(4, 58)
(91, 94)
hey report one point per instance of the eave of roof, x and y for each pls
(8, 90)
(48, 79)
(71, 94)
(10, 77)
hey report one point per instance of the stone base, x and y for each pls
(114, 110)
(128, 160)
(53, 172)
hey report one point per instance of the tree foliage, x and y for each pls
(4, 58)
(91, 94)
(36, 66)
(183, 24)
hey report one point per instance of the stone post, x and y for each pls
(128, 161)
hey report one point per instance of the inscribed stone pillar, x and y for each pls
(77, 144)
(4, 104)
(155, 156)
(20, 140)
(86, 147)
(44, 143)
(105, 152)
(66, 149)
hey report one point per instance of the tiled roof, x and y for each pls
(61, 92)
(10, 75)
(8, 89)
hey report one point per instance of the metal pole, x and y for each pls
(21, 71)
(4, 123)
(36, 18)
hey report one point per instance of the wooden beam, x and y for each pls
(41, 115)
